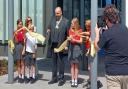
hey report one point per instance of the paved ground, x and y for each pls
(44, 67)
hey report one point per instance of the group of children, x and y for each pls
(26, 47)
(25, 51)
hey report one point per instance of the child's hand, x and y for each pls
(82, 33)
(23, 52)
(66, 48)
(69, 38)
(34, 55)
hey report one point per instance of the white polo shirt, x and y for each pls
(31, 43)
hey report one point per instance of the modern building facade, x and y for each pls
(42, 10)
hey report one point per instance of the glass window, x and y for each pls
(1, 19)
(76, 8)
(103, 3)
(87, 8)
(31, 9)
(39, 16)
(99, 3)
(24, 10)
(16, 12)
(4, 20)
(34, 9)
(6, 17)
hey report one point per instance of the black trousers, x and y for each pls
(58, 64)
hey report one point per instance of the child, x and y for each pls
(87, 34)
(74, 50)
(30, 55)
(18, 39)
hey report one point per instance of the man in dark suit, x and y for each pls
(58, 33)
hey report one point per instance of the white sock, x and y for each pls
(33, 76)
(75, 81)
(22, 76)
(19, 76)
(28, 76)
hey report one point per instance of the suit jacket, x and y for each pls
(63, 29)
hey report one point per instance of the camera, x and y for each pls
(101, 24)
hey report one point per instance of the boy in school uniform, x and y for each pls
(30, 55)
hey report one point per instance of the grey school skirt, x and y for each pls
(75, 53)
(18, 51)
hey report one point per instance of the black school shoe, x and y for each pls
(72, 84)
(88, 85)
(20, 80)
(99, 84)
(76, 84)
(27, 80)
(53, 81)
(61, 83)
(33, 80)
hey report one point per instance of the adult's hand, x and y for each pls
(97, 32)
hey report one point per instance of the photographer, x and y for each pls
(114, 41)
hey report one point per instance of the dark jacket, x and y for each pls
(115, 42)
(63, 29)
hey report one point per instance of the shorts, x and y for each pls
(29, 60)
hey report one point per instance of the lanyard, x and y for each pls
(58, 22)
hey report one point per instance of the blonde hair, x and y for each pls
(88, 23)
(76, 23)
(31, 27)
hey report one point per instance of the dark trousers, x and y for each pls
(84, 61)
(58, 63)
